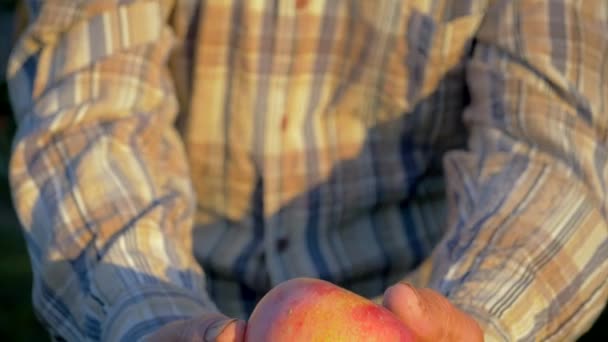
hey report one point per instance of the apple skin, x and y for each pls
(313, 310)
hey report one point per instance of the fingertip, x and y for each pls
(401, 294)
(430, 315)
(241, 330)
(232, 332)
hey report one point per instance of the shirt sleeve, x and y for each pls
(526, 251)
(98, 173)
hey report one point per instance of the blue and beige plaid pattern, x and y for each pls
(179, 157)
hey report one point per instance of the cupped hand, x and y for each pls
(206, 328)
(431, 316)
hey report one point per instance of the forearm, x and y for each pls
(527, 246)
(528, 260)
(98, 174)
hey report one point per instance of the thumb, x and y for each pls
(431, 316)
(234, 331)
(210, 327)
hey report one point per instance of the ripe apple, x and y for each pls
(313, 310)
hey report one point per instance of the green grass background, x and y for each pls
(17, 320)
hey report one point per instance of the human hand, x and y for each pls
(206, 328)
(431, 316)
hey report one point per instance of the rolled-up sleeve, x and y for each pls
(526, 252)
(98, 173)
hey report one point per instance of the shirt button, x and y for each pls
(284, 122)
(300, 4)
(282, 244)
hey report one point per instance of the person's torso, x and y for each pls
(314, 130)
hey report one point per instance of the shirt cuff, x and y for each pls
(137, 315)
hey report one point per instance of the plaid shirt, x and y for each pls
(179, 157)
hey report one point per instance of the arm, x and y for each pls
(527, 248)
(98, 173)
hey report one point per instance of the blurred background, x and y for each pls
(17, 320)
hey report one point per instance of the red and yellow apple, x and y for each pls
(314, 310)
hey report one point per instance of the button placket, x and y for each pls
(276, 240)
